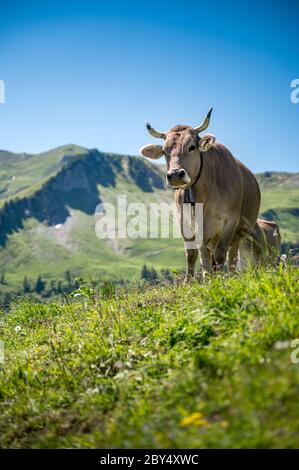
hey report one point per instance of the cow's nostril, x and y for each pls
(174, 175)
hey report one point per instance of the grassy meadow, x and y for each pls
(171, 366)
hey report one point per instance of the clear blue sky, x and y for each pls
(91, 73)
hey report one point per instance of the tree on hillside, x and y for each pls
(52, 288)
(153, 275)
(68, 277)
(40, 285)
(26, 285)
(144, 273)
(166, 274)
(2, 278)
(59, 287)
(6, 299)
(149, 274)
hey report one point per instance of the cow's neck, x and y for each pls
(189, 193)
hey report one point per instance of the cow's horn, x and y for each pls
(154, 133)
(205, 123)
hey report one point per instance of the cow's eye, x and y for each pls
(191, 148)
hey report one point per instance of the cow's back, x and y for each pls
(229, 192)
(251, 201)
(235, 186)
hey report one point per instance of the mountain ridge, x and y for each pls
(74, 185)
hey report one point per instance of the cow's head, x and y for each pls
(181, 149)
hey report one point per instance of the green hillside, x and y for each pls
(48, 226)
(47, 222)
(21, 172)
(280, 202)
(172, 366)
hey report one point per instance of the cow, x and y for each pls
(295, 260)
(263, 245)
(228, 190)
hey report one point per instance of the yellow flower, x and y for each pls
(195, 419)
(223, 424)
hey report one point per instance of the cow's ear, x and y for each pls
(152, 151)
(206, 142)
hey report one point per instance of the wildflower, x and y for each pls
(195, 419)
(18, 329)
(223, 424)
(118, 365)
(92, 391)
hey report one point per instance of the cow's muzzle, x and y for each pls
(177, 178)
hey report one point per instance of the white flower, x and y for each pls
(118, 365)
(92, 391)
(18, 329)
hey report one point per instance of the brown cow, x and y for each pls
(228, 190)
(263, 245)
(295, 260)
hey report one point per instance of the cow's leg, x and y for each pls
(246, 253)
(220, 252)
(233, 254)
(228, 246)
(220, 256)
(206, 261)
(191, 256)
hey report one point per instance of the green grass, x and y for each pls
(280, 196)
(280, 204)
(168, 366)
